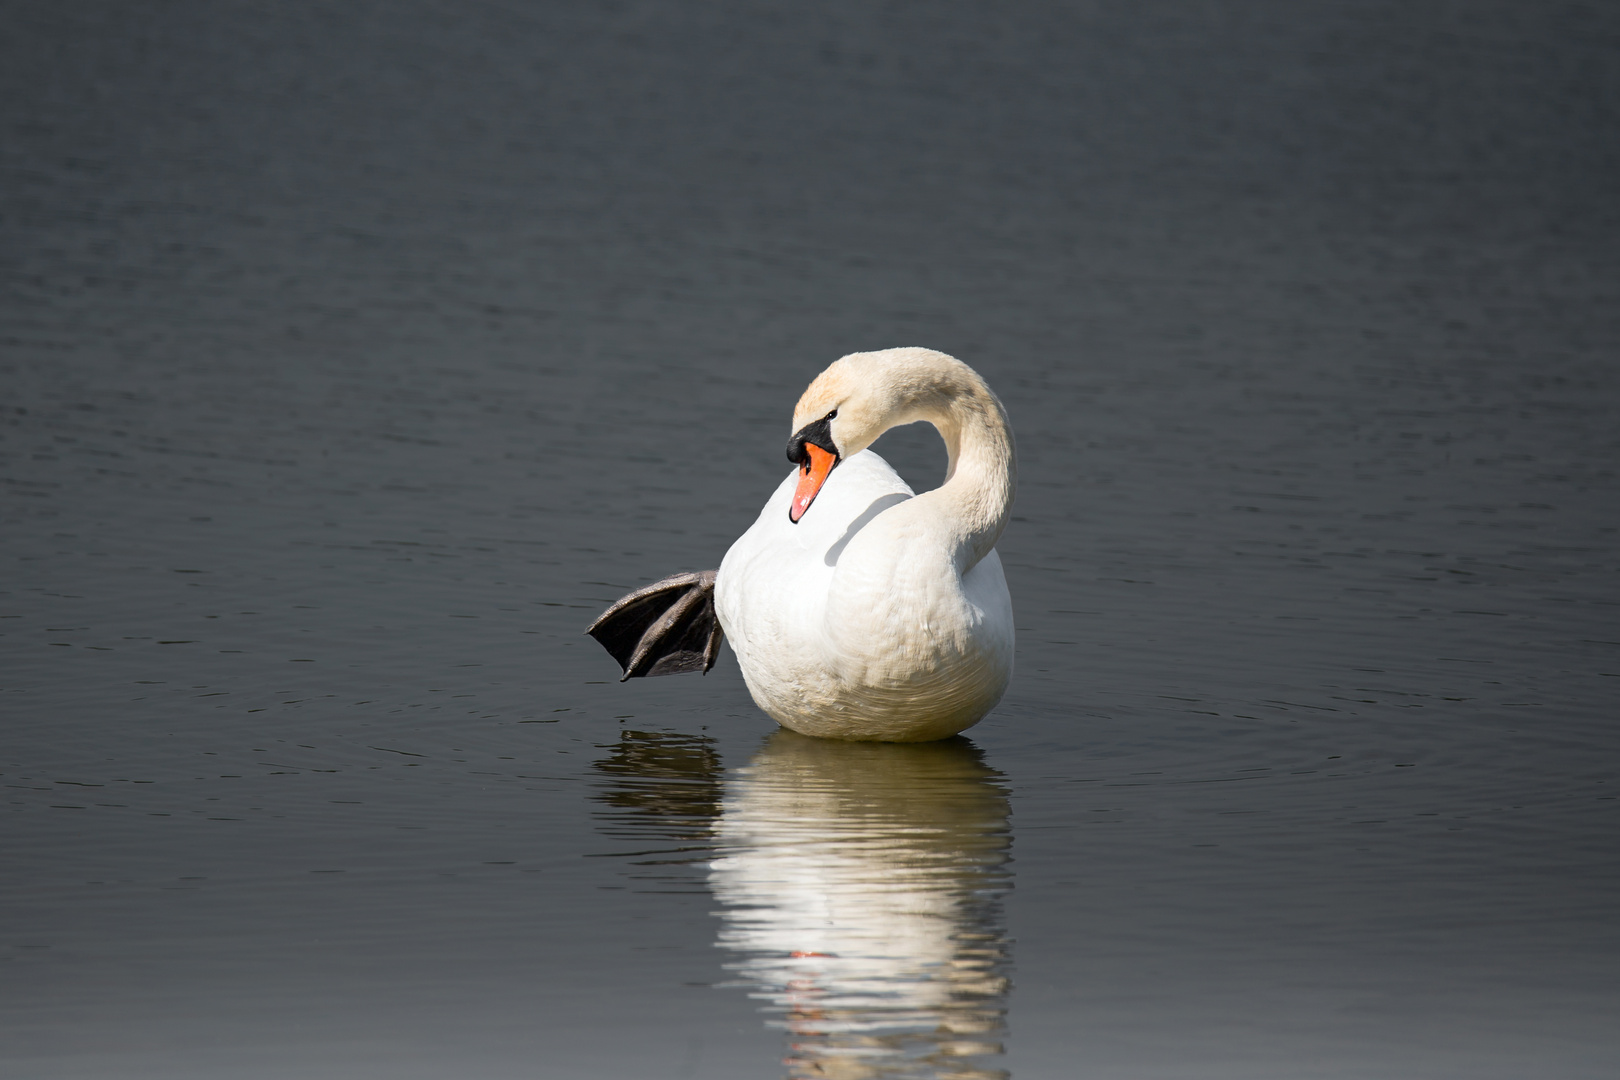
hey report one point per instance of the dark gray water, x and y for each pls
(352, 357)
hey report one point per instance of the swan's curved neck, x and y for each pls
(981, 474)
(862, 395)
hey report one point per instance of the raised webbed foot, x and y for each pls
(663, 628)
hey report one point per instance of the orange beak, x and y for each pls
(811, 477)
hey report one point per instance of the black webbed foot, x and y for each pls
(663, 628)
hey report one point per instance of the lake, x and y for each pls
(352, 359)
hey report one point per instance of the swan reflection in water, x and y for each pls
(861, 888)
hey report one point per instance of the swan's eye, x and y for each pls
(830, 415)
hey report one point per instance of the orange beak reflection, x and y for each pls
(811, 477)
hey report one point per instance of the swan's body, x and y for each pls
(857, 609)
(868, 633)
(881, 614)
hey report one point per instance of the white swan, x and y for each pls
(857, 609)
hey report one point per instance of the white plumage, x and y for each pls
(881, 614)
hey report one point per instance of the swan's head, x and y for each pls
(857, 399)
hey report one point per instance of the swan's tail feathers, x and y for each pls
(663, 628)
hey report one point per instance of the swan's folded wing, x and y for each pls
(663, 628)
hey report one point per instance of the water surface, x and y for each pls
(352, 360)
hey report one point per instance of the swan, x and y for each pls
(856, 608)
